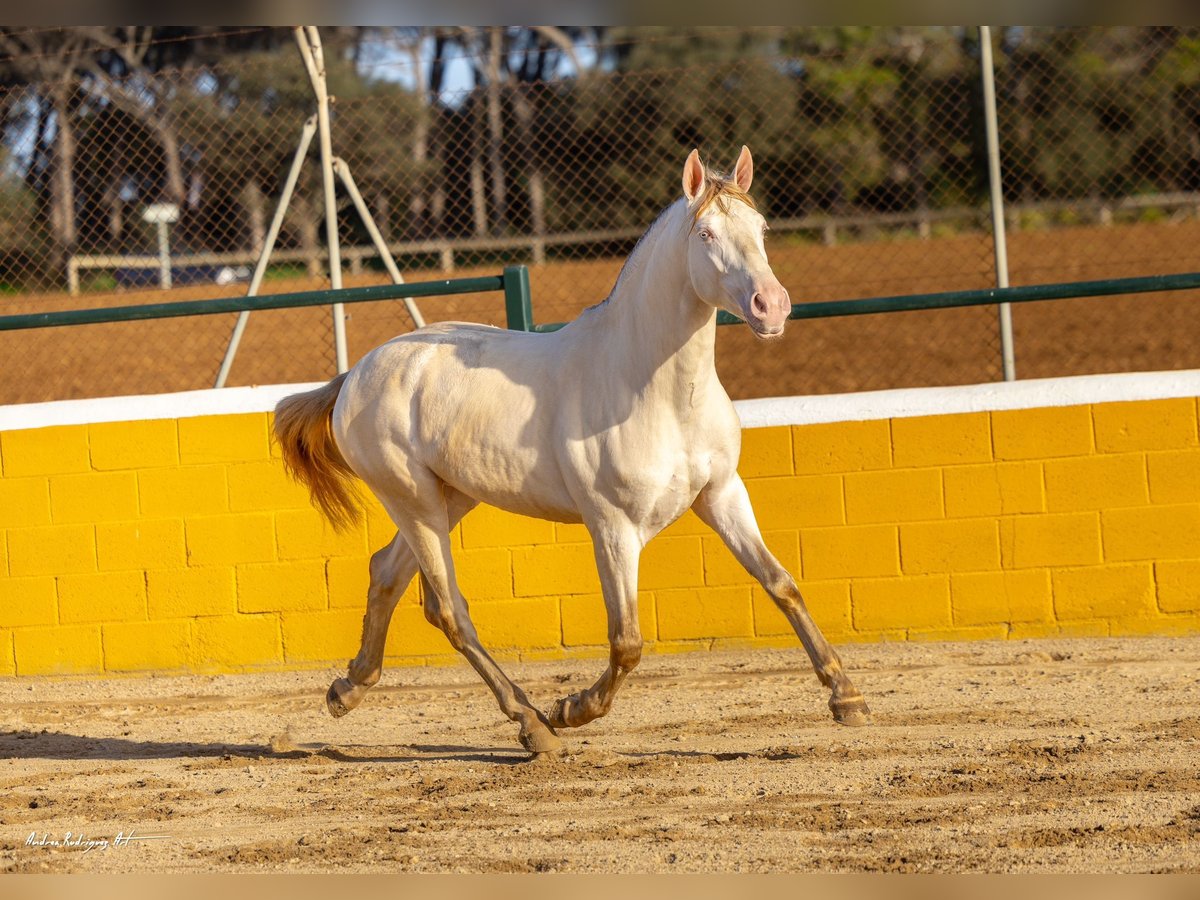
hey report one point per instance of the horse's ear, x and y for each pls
(693, 176)
(743, 171)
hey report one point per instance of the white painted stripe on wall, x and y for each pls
(211, 402)
(1031, 394)
(893, 404)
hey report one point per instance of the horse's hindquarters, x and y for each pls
(473, 406)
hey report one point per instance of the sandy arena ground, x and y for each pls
(1055, 755)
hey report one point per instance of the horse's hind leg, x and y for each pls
(726, 508)
(424, 523)
(392, 568)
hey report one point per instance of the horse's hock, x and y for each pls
(177, 543)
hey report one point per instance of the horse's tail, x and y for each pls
(310, 455)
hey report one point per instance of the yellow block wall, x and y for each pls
(180, 545)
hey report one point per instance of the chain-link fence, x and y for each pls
(475, 148)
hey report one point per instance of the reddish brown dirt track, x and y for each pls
(1141, 333)
(1038, 756)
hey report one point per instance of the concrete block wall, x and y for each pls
(179, 544)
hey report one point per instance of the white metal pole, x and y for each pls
(306, 136)
(999, 236)
(309, 40)
(164, 257)
(343, 171)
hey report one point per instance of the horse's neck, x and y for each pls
(662, 331)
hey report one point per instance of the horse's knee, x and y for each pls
(626, 653)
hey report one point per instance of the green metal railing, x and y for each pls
(514, 282)
(990, 296)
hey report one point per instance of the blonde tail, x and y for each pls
(305, 436)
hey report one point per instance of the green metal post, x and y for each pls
(518, 304)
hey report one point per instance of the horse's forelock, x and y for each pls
(721, 191)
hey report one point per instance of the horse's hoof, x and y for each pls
(333, 698)
(540, 740)
(852, 713)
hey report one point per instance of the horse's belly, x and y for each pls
(513, 480)
(506, 461)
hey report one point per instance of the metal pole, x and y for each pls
(999, 237)
(164, 258)
(518, 302)
(343, 171)
(306, 136)
(309, 40)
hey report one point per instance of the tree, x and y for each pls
(47, 61)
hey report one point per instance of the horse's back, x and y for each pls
(472, 403)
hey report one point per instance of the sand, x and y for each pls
(1026, 756)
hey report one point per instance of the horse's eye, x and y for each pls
(705, 234)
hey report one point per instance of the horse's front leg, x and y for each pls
(725, 507)
(617, 550)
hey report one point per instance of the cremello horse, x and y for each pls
(617, 421)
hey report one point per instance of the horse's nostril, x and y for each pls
(758, 306)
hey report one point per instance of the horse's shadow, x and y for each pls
(63, 745)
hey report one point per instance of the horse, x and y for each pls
(616, 421)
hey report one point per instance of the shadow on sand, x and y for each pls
(61, 745)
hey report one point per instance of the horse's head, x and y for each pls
(727, 262)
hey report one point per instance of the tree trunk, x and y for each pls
(437, 194)
(418, 203)
(383, 215)
(537, 182)
(420, 156)
(537, 203)
(496, 132)
(306, 216)
(437, 204)
(62, 182)
(478, 197)
(116, 209)
(176, 190)
(478, 200)
(256, 215)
